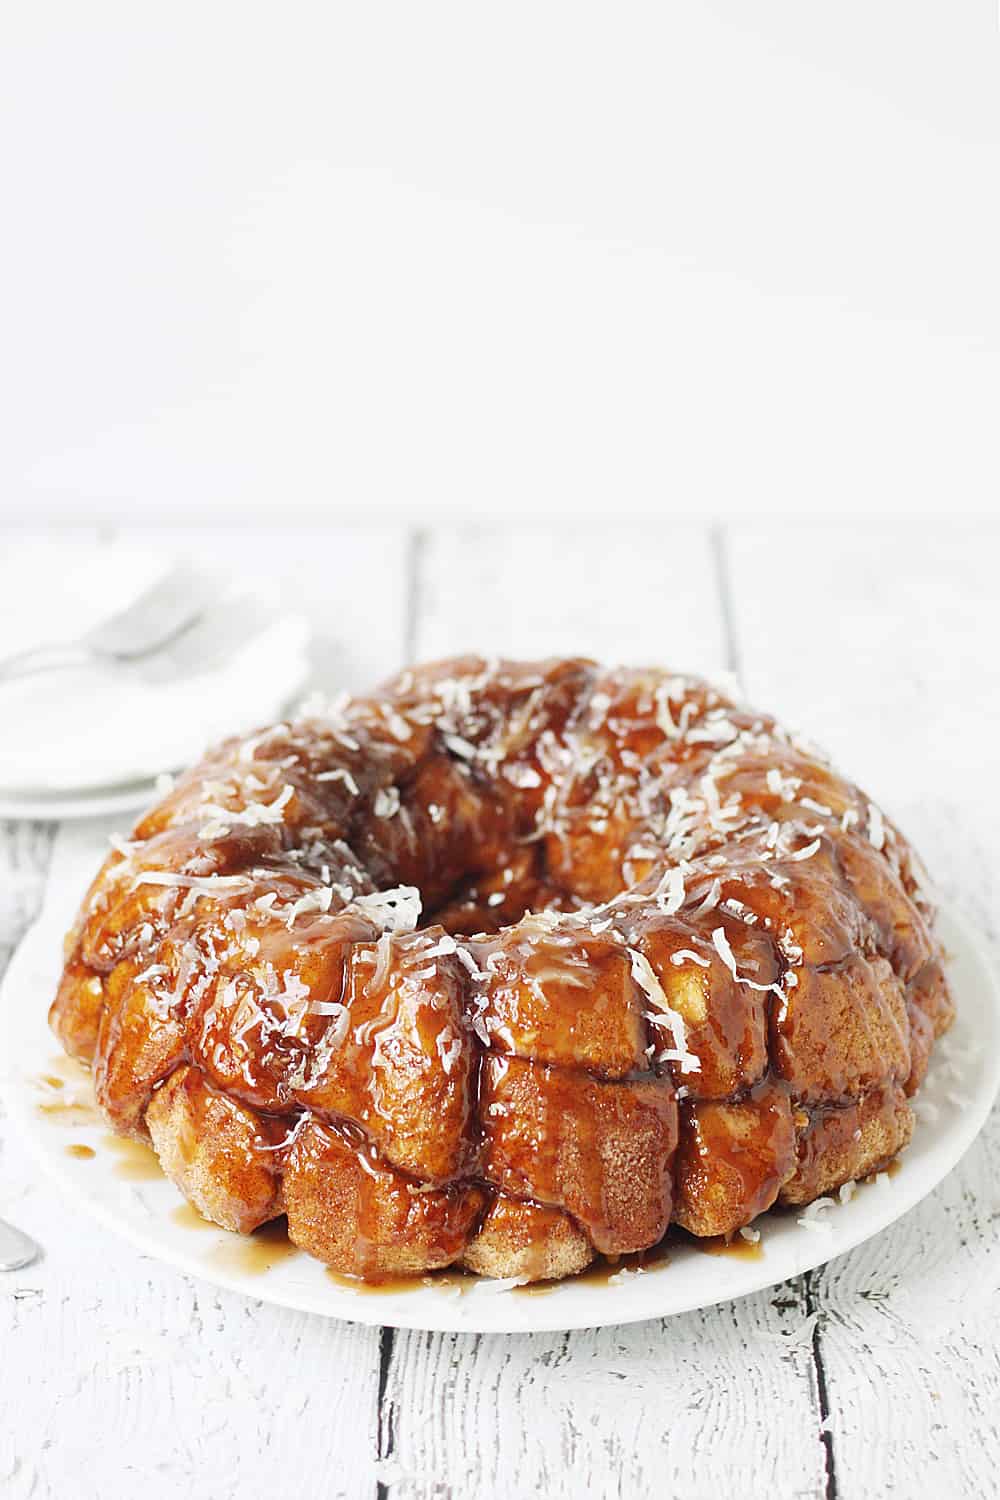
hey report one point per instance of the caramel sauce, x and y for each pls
(188, 1217)
(736, 1247)
(449, 1278)
(136, 1162)
(391, 1285)
(542, 1288)
(65, 1071)
(249, 1254)
(256, 1253)
(83, 1153)
(454, 1279)
(78, 1109)
(643, 1260)
(887, 1169)
(603, 1271)
(70, 1111)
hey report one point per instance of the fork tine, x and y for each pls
(171, 605)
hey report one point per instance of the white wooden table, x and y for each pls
(877, 1375)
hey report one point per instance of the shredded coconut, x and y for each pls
(876, 826)
(209, 885)
(386, 802)
(663, 1013)
(254, 814)
(670, 892)
(313, 901)
(340, 774)
(395, 910)
(688, 955)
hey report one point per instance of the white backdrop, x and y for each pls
(444, 258)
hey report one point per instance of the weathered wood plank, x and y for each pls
(880, 644)
(660, 1408)
(118, 1375)
(577, 589)
(25, 851)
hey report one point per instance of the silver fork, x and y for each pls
(230, 625)
(16, 1249)
(160, 616)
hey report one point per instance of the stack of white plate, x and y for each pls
(91, 740)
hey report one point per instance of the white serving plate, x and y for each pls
(147, 1210)
(60, 807)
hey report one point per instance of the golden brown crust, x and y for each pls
(839, 1144)
(364, 1219)
(406, 1069)
(220, 1154)
(725, 1022)
(527, 1241)
(931, 1011)
(733, 1159)
(75, 1013)
(601, 1151)
(844, 1030)
(436, 968)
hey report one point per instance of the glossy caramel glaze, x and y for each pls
(508, 965)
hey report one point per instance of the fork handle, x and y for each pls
(44, 659)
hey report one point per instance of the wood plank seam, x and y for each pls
(727, 607)
(720, 556)
(385, 1434)
(27, 855)
(822, 1394)
(416, 541)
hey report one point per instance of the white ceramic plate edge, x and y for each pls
(58, 807)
